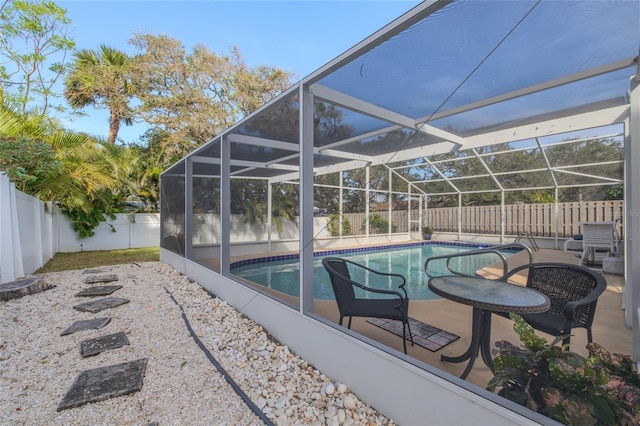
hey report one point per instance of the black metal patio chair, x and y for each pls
(395, 306)
(573, 291)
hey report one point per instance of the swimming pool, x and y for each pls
(282, 272)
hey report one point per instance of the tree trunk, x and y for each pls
(114, 128)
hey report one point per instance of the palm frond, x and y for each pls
(64, 139)
(10, 124)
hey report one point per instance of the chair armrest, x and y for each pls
(377, 290)
(570, 307)
(381, 291)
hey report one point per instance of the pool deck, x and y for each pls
(609, 328)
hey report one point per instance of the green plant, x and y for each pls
(563, 385)
(84, 222)
(333, 225)
(614, 193)
(427, 230)
(28, 162)
(378, 225)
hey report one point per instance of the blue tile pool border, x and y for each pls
(361, 249)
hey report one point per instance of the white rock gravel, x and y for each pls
(181, 386)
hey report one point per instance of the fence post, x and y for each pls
(557, 220)
(11, 265)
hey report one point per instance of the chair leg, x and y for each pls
(349, 326)
(404, 338)
(566, 341)
(406, 326)
(589, 335)
(341, 318)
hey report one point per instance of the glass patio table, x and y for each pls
(486, 296)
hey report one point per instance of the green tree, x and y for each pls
(573, 163)
(28, 163)
(120, 162)
(285, 205)
(356, 199)
(93, 184)
(254, 87)
(327, 198)
(86, 178)
(188, 97)
(378, 225)
(152, 161)
(614, 193)
(34, 43)
(333, 225)
(582, 156)
(192, 96)
(249, 199)
(100, 78)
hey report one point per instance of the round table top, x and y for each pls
(498, 296)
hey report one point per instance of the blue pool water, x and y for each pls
(283, 275)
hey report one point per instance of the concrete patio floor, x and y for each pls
(609, 328)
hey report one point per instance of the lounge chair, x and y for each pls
(599, 240)
(394, 305)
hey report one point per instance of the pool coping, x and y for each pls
(290, 256)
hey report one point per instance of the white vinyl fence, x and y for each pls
(124, 232)
(32, 232)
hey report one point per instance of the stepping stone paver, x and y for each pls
(92, 324)
(100, 344)
(99, 290)
(103, 383)
(101, 279)
(94, 271)
(100, 305)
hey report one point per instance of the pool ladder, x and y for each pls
(529, 238)
(496, 250)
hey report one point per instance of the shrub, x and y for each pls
(333, 225)
(562, 385)
(378, 225)
(28, 163)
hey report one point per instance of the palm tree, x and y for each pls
(100, 79)
(74, 179)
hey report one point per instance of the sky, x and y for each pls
(295, 35)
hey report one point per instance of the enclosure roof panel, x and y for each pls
(452, 58)
(449, 76)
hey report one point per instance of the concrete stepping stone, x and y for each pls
(100, 305)
(99, 290)
(103, 383)
(92, 324)
(95, 271)
(101, 279)
(95, 346)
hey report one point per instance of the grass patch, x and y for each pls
(94, 259)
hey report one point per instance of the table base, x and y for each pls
(480, 342)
